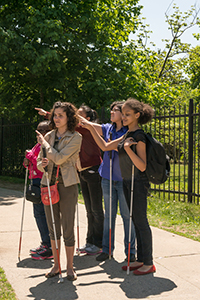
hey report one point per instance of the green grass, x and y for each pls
(175, 216)
(14, 180)
(6, 291)
(179, 178)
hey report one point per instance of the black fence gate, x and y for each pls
(177, 128)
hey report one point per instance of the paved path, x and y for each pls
(177, 260)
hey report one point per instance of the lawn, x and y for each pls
(6, 291)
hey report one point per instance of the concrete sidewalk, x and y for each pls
(176, 258)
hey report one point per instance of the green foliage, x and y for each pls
(79, 51)
(6, 291)
(194, 67)
(165, 71)
(61, 50)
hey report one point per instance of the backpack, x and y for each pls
(158, 167)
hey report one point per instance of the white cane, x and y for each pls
(23, 208)
(130, 220)
(110, 212)
(78, 249)
(52, 216)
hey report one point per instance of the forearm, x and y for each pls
(101, 142)
(137, 161)
(98, 128)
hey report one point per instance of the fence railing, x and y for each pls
(177, 128)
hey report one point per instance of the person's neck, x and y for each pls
(118, 125)
(133, 127)
(61, 131)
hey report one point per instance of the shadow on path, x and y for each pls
(35, 264)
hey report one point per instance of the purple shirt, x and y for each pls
(104, 169)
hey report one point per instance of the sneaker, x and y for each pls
(82, 249)
(93, 250)
(132, 257)
(44, 253)
(35, 250)
(103, 256)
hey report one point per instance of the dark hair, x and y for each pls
(118, 104)
(90, 113)
(44, 127)
(71, 112)
(145, 110)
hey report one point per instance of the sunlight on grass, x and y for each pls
(176, 216)
(6, 291)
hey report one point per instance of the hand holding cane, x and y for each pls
(110, 215)
(52, 216)
(23, 208)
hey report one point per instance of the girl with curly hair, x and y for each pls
(62, 146)
(132, 152)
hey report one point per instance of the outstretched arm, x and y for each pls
(42, 112)
(98, 139)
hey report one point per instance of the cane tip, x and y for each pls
(61, 280)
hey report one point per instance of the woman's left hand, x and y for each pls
(129, 142)
(40, 138)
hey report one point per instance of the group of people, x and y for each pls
(73, 141)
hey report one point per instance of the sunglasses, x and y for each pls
(115, 109)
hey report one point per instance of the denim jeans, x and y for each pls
(139, 216)
(40, 218)
(92, 194)
(117, 196)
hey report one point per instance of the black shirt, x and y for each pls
(124, 160)
(53, 176)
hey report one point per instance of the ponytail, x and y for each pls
(90, 113)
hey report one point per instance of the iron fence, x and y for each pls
(177, 128)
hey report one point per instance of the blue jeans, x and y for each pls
(40, 218)
(139, 216)
(117, 195)
(92, 194)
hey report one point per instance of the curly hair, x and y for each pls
(71, 112)
(145, 110)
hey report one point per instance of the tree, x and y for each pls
(61, 50)
(164, 72)
(194, 69)
(178, 24)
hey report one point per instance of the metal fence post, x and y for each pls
(190, 154)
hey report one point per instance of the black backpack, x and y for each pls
(158, 167)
